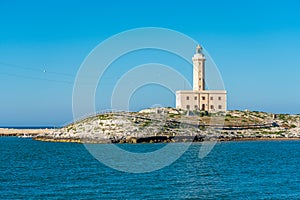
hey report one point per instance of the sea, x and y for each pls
(32, 169)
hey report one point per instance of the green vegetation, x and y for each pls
(104, 117)
(146, 123)
(293, 126)
(71, 128)
(274, 132)
(282, 116)
(173, 115)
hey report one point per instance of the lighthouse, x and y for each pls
(200, 98)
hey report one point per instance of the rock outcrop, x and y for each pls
(171, 125)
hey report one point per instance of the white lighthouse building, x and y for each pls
(199, 98)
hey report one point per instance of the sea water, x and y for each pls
(232, 170)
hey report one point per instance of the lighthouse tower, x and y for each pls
(200, 98)
(198, 70)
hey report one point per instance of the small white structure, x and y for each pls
(199, 98)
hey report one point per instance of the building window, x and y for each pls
(220, 107)
(196, 107)
(220, 98)
(195, 97)
(187, 107)
(203, 98)
(212, 107)
(187, 98)
(211, 98)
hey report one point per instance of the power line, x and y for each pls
(46, 72)
(36, 78)
(34, 69)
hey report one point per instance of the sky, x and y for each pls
(255, 45)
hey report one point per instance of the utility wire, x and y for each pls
(36, 78)
(44, 71)
(34, 69)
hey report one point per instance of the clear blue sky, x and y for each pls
(255, 45)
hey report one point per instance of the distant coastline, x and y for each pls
(24, 131)
(29, 127)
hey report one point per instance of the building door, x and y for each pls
(203, 107)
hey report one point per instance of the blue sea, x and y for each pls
(232, 170)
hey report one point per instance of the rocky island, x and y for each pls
(173, 125)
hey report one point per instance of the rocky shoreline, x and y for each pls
(172, 125)
(219, 140)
